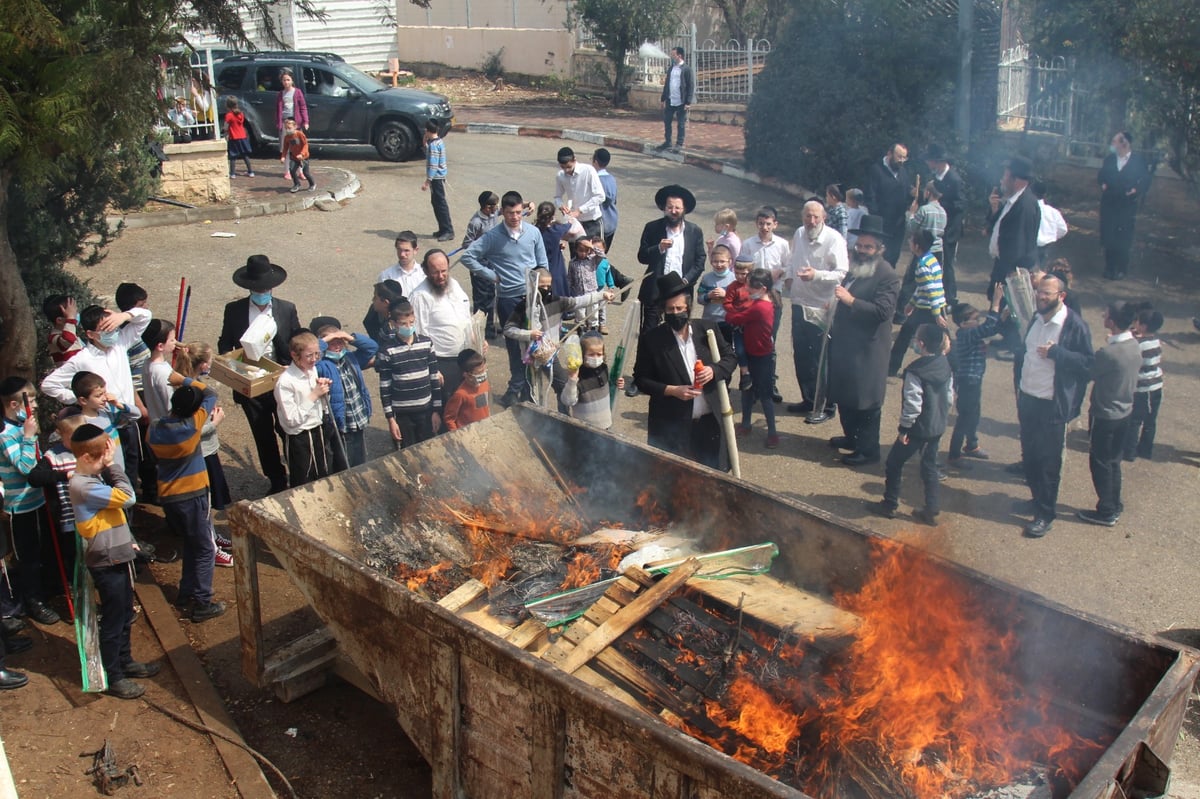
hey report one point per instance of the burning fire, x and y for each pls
(923, 703)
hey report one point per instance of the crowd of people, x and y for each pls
(140, 415)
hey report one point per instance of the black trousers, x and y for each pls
(1116, 261)
(861, 426)
(904, 336)
(114, 585)
(414, 428)
(898, 456)
(968, 403)
(1042, 440)
(307, 456)
(949, 282)
(592, 227)
(697, 439)
(1143, 424)
(1104, 460)
(806, 357)
(441, 208)
(30, 537)
(260, 415)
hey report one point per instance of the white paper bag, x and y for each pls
(256, 341)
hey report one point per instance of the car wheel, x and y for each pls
(395, 141)
(258, 147)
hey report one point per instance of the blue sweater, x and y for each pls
(364, 349)
(497, 256)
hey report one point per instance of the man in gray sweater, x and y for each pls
(1115, 374)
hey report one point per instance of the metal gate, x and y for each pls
(1035, 94)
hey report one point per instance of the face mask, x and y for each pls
(677, 321)
(21, 416)
(110, 338)
(335, 356)
(720, 271)
(915, 347)
(480, 378)
(404, 331)
(545, 294)
(593, 361)
(757, 297)
(260, 298)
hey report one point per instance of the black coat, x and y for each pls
(237, 319)
(659, 365)
(1018, 235)
(860, 341)
(955, 202)
(694, 257)
(888, 196)
(1117, 207)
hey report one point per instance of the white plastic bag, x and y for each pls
(256, 341)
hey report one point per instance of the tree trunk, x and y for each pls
(18, 334)
(620, 71)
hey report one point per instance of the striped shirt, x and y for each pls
(139, 356)
(100, 501)
(18, 456)
(64, 342)
(1150, 376)
(929, 293)
(176, 443)
(932, 217)
(111, 419)
(51, 475)
(435, 159)
(409, 380)
(968, 356)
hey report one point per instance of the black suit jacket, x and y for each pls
(888, 196)
(659, 365)
(694, 257)
(1018, 235)
(955, 202)
(237, 319)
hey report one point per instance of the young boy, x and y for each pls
(301, 396)
(435, 181)
(376, 323)
(855, 211)
(294, 145)
(483, 220)
(183, 493)
(929, 216)
(410, 386)
(1143, 422)
(712, 288)
(25, 504)
(63, 315)
(737, 298)
(928, 302)
(968, 361)
(483, 291)
(601, 158)
(158, 386)
(725, 225)
(471, 401)
(583, 277)
(53, 473)
(102, 408)
(928, 392)
(349, 397)
(587, 394)
(100, 495)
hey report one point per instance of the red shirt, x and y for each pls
(756, 322)
(737, 297)
(235, 125)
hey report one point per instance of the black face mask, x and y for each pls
(545, 294)
(677, 321)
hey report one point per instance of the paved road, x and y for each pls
(1142, 574)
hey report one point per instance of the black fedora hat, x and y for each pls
(936, 152)
(1021, 168)
(259, 274)
(671, 284)
(319, 322)
(870, 225)
(675, 190)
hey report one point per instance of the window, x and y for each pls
(267, 79)
(231, 78)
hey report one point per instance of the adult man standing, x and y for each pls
(682, 400)
(818, 266)
(1115, 375)
(954, 202)
(1124, 178)
(1053, 367)
(259, 277)
(670, 244)
(889, 192)
(504, 255)
(678, 94)
(609, 217)
(1014, 221)
(406, 271)
(443, 313)
(578, 191)
(860, 342)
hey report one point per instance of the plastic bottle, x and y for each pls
(696, 370)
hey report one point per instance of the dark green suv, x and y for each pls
(345, 105)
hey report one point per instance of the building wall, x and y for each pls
(357, 30)
(526, 51)
(526, 14)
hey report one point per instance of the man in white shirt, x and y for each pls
(443, 313)
(817, 267)
(678, 94)
(578, 191)
(407, 270)
(1053, 227)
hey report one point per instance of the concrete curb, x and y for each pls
(710, 163)
(334, 183)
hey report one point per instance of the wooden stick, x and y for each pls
(627, 617)
(187, 301)
(558, 478)
(726, 412)
(179, 310)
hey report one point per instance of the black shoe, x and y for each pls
(40, 612)
(776, 396)
(745, 382)
(446, 236)
(881, 508)
(506, 400)
(1004, 355)
(1119, 276)
(15, 645)
(621, 281)
(183, 604)
(125, 688)
(142, 670)
(1092, 517)
(11, 625)
(800, 407)
(817, 418)
(1015, 468)
(631, 389)
(1038, 528)
(925, 517)
(277, 486)
(664, 146)
(859, 459)
(840, 442)
(1129, 458)
(207, 611)
(10, 679)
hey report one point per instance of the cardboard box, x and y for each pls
(235, 370)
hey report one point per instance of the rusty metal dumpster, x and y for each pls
(494, 718)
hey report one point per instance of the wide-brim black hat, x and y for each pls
(259, 274)
(675, 190)
(1021, 168)
(319, 322)
(870, 225)
(670, 285)
(936, 152)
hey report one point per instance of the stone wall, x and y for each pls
(196, 173)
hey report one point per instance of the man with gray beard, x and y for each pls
(443, 313)
(860, 343)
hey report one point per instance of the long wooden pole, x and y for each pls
(726, 411)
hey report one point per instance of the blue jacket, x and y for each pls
(363, 350)
(1072, 356)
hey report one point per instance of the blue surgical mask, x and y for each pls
(22, 416)
(260, 298)
(335, 356)
(110, 338)
(404, 332)
(915, 347)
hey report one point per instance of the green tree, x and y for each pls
(753, 19)
(854, 77)
(622, 25)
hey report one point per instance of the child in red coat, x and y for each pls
(756, 320)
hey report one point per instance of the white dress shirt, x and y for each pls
(445, 318)
(408, 280)
(828, 257)
(1037, 372)
(583, 189)
(111, 364)
(774, 254)
(673, 259)
(687, 351)
(293, 392)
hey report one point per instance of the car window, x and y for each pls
(357, 78)
(266, 78)
(312, 81)
(331, 85)
(231, 78)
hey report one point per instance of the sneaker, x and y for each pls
(223, 542)
(885, 509)
(978, 454)
(742, 430)
(745, 383)
(207, 611)
(773, 442)
(312, 186)
(224, 558)
(294, 189)
(1092, 517)
(231, 177)
(142, 670)
(447, 236)
(249, 174)
(41, 612)
(11, 625)
(776, 396)
(125, 688)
